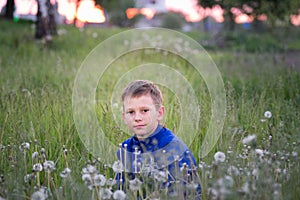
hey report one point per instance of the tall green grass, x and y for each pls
(36, 107)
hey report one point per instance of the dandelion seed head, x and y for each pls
(294, 153)
(249, 139)
(2, 178)
(118, 167)
(160, 176)
(37, 167)
(213, 193)
(99, 180)
(34, 155)
(86, 178)
(41, 194)
(135, 184)
(105, 193)
(90, 169)
(49, 165)
(259, 152)
(65, 173)
(281, 124)
(219, 156)
(192, 186)
(28, 177)
(268, 114)
(246, 188)
(95, 35)
(263, 120)
(111, 182)
(24, 146)
(255, 173)
(119, 195)
(233, 171)
(115, 105)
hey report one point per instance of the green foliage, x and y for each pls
(117, 11)
(276, 40)
(172, 20)
(276, 11)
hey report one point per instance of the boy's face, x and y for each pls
(141, 116)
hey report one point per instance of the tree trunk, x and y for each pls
(9, 9)
(76, 10)
(52, 22)
(45, 23)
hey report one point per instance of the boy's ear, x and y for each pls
(123, 116)
(161, 112)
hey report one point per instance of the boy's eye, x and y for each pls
(145, 110)
(130, 112)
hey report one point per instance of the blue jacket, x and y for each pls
(160, 151)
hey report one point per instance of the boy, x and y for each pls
(153, 149)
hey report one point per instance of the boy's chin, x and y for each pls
(141, 135)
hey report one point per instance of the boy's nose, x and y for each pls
(137, 117)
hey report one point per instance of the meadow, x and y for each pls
(43, 157)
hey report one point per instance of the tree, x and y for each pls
(45, 23)
(276, 10)
(226, 5)
(116, 10)
(76, 10)
(9, 9)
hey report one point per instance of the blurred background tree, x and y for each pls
(9, 9)
(277, 11)
(116, 11)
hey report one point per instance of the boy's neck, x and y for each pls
(158, 128)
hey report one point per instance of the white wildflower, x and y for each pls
(249, 139)
(268, 114)
(49, 165)
(65, 173)
(119, 195)
(118, 167)
(37, 167)
(219, 156)
(135, 184)
(105, 193)
(294, 153)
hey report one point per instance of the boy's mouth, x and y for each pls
(139, 126)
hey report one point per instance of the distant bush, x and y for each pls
(172, 20)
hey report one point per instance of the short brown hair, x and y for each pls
(138, 88)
